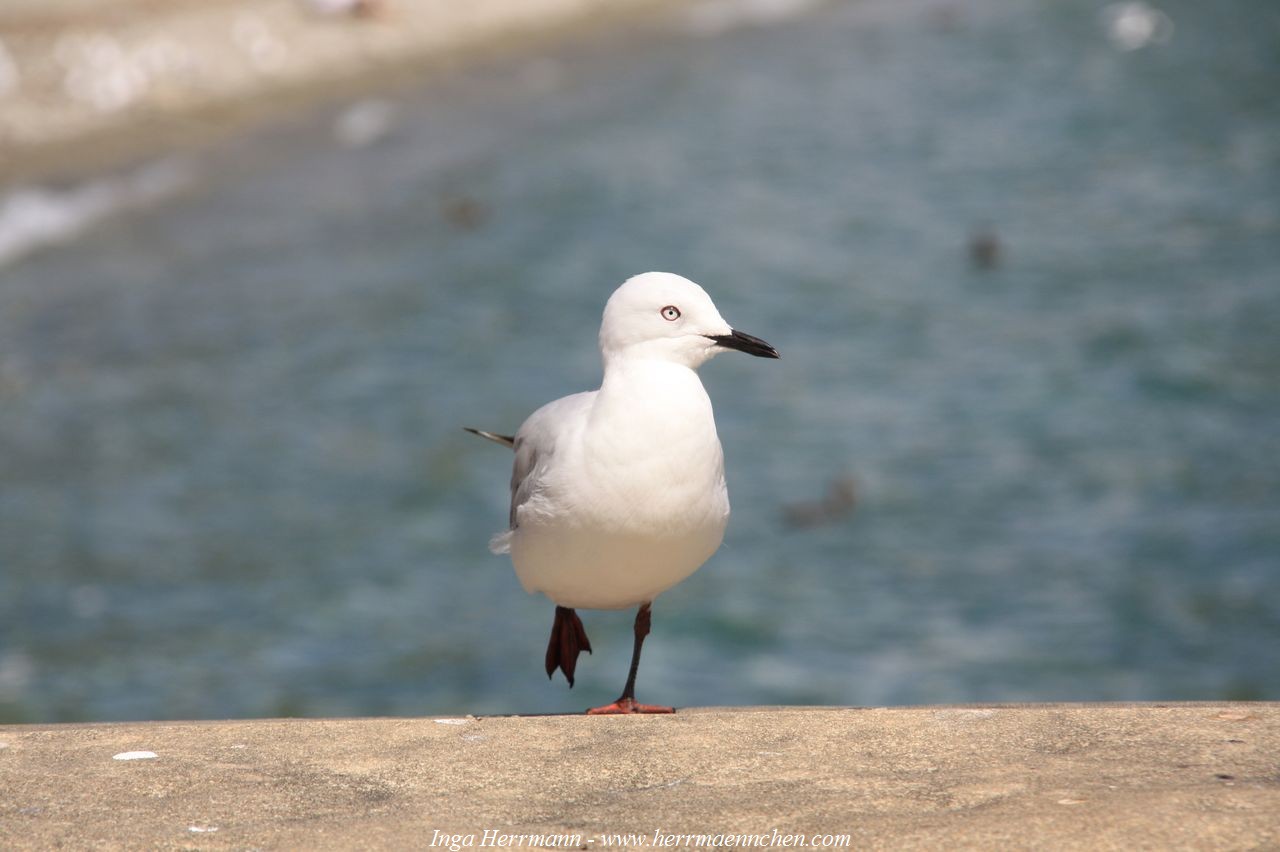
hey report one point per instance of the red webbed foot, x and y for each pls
(627, 706)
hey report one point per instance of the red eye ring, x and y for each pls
(670, 313)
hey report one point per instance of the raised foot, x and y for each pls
(568, 639)
(626, 706)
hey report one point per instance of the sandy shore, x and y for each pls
(87, 84)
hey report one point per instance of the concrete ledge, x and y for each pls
(1050, 776)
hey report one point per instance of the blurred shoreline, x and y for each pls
(92, 85)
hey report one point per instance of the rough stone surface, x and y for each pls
(1190, 776)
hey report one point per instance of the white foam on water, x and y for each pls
(714, 17)
(1134, 25)
(34, 217)
(364, 122)
(16, 671)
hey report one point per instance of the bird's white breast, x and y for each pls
(636, 501)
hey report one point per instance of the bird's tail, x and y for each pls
(501, 543)
(505, 440)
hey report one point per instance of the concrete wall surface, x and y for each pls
(1051, 776)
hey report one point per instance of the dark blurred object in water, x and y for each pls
(464, 212)
(984, 249)
(946, 17)
(838, 502)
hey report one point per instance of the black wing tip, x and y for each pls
(505, 440)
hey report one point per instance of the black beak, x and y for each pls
(745, 343)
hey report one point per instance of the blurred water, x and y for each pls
(233, 482)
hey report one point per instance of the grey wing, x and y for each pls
(522, 479)
(523, 483)
(537, 442)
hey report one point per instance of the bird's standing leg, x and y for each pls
(568, 639)
(626, 702)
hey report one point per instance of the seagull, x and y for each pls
(618, 494)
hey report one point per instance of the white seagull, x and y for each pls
(618, 494)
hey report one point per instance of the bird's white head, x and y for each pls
(666, 317)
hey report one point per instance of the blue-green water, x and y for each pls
(233, 480)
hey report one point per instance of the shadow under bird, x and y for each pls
(618, 494)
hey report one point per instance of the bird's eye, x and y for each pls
(671, 313)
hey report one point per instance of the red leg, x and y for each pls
(626, 702)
